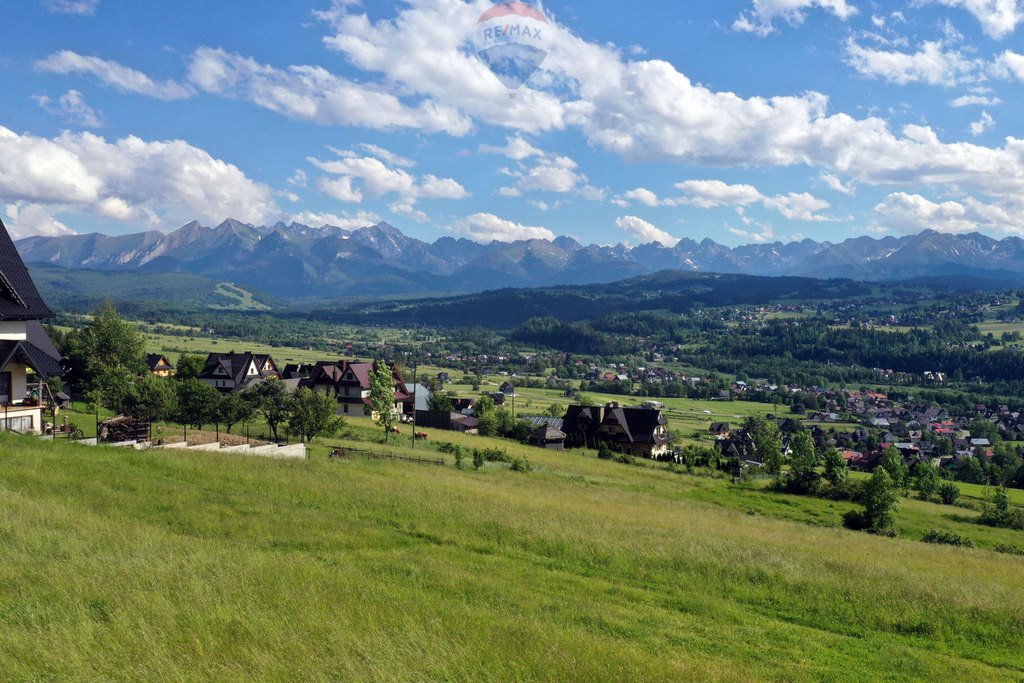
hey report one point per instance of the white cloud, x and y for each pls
(709, 194)
(982, 125)
(999, 18)
(911, 213)
(27, 220)
(549, 174)
(114, 75)
(486, 227)
(346, 221)
(799, 207)
(644, 196)
(761, 17)
(71, 6)
(975, 101)
(311, 93)
(130, 180)
(836, 184)
(356, 178)
(1009, 65)
(516, 149)
(387, 155)
(765, 236)
(934, 63)
(73, 108)
(645, 232)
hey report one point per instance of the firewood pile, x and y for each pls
(122, 428)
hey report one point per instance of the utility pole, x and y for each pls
(415, 388)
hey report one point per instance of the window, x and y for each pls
(5, 387)
(17, 424)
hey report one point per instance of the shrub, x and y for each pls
(1008, 549)
(856, 520)
(625, 459)
(947, 538)
(604, 452)
(521, 465)
(1000, 514)
(949, 493)
(495, 455)
(478, 458)
(460, 456)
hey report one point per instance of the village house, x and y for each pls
(349, 383)
(231, 372)
(159, 366)
(638, 431)
(25, 347)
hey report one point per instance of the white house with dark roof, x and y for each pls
(25, 348)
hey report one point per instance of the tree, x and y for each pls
(108, 343)
(981, 428)
(949, 493)
(189, 367)
(555, 410)
(235, 409)
(892, 463)
(881, 503)
(971, 471)
(112, 388)
(483, 405)
(382, 397)
(835, 467)
(767, 438)
(488, 424)
(314, 415)
(198, 403)
(926, 480)
(153, 400)
(803, 473)
(440, 402)
(271, 401)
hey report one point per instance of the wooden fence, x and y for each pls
(352, 453)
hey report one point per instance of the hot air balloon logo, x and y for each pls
(512, 40)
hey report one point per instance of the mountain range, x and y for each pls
(302, 262)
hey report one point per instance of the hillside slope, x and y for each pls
(120, 565)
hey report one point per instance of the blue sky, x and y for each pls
(742, 121)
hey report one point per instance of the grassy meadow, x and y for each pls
(123, 565)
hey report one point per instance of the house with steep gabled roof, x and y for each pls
(159, 365)
(349, 383)
(231, 372)
(638, 431)
(25, 347)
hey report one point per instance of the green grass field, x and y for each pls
(119, 565)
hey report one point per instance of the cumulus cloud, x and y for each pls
(130, 180)
(1009, 65)
(549, 174)
(516, 148)
(645, 232)
(982, 125)
(760, 19)
(975, 101)
(113, 74)
(999, 18)
(911, 213)
(642, 195)
(73, 108)
(27, 220)
(71, 6)
(710, 194)
(934, 63)
(346, 221)
(354, 178)
(646, 110)
(835, 183)
(311, 93)
(486, 228)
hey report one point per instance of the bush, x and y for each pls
(494, 455)
(478, 459)
(625, 459)
(949, 493)
(521, 465)
(856, 520)
(604, 452)
(947, 538)
(1007, 549)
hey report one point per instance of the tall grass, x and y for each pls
(119, 565)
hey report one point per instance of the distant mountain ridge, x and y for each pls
(301, 261)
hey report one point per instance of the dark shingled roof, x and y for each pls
(19, 298)
(30, 355)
